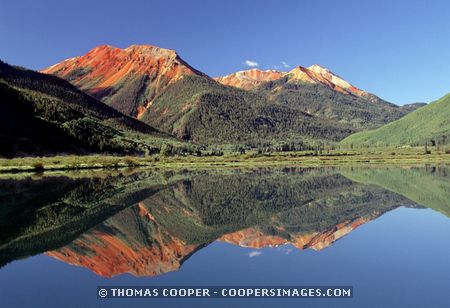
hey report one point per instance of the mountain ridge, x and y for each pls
(114, 75)
(251, 78)
(159, 88)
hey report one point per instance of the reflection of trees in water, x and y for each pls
(428, 186)
(38, 214)
(193, 208)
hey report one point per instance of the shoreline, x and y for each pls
(97, 162)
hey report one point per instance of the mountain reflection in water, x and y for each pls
(147, 223)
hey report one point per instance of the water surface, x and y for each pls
(384, 231)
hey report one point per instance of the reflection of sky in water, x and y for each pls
(399, 259)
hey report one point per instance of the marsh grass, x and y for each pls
(230, 159)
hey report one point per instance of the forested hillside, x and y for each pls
(42, 114)
(362, 112)
(201, 110)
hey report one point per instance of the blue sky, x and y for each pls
(398, 50)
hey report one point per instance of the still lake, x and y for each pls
(383, 230)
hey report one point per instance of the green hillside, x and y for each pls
(42, 114)
(199, 109)
(427, 124)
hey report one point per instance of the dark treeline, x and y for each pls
(42, 114)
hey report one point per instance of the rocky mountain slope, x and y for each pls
(318, 91)
(249, 79)
(126, 79)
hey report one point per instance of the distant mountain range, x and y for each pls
(156, 86)
(133, 100)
